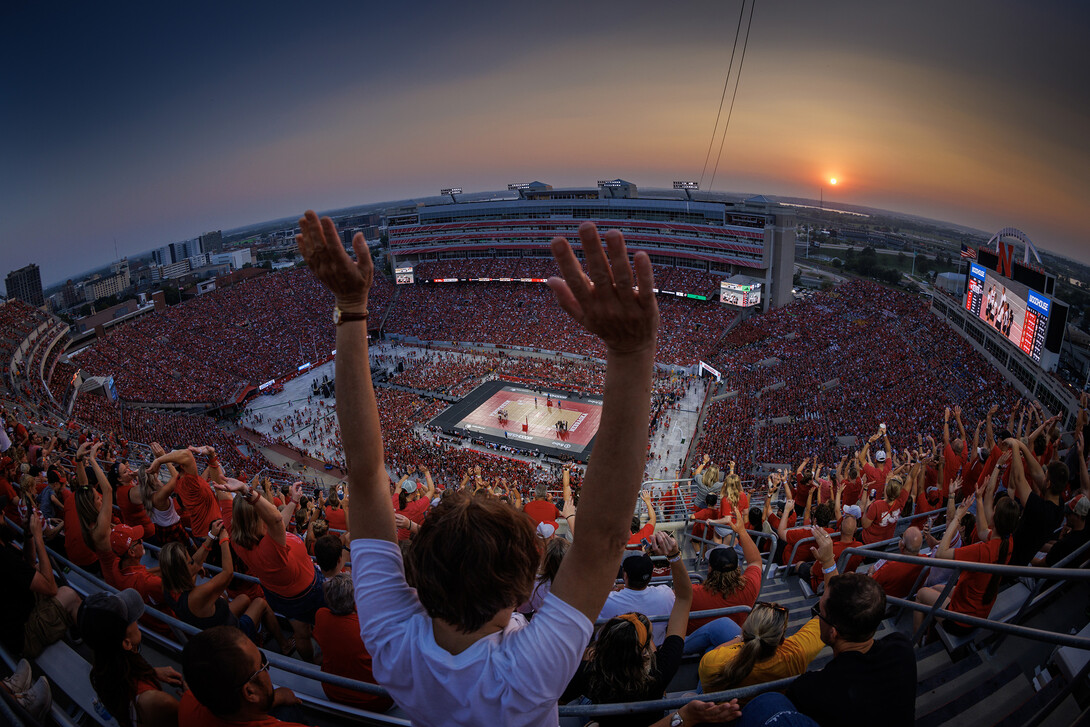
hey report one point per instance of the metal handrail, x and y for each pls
(654, 705)
(766, 566)
(958, 566)
(278, 660)
(710, 613)
(214, 568)
(1051, 637)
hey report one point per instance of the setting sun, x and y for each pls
(832, 181)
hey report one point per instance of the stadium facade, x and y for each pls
(754, 238)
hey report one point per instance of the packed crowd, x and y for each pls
(844, 362)
(372, 575)
(207, 348)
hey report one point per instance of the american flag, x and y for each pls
(968, 252)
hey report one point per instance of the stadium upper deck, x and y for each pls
(753, 238)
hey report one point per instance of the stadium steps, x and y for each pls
(389, 307)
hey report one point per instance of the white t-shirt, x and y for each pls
(651, 601)
(509, 678)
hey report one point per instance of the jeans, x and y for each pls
(772, 709)
(711, 635)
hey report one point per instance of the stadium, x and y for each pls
(484, 384)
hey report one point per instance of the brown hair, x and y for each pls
(855, 606)
(473, 557)
(725, 582)
(246, 531)
(620, 664)
(174, 568)
(1006, 516)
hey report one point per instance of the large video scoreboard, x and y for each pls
(1017, 312)
(740, 294)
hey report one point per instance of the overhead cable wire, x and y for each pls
(737, 80)
(723, 96)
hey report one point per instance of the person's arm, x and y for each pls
(664, 544)
(944, 550)
(100, 534)
(1018, 471)
(864, 504)
(781, 528)
(161, 498)
(749, 549)
(627, 322)
(809, 501)
(1084, 475)
(568, 513)
(802, 466)
(697, 712)
(204, 594)
(43, 581)
(984, 509)
(887, 445)
(357, 409)
(646, 497)
(976, 442)
(946, 429)
(429, 492)
(822, 552)
(836, 500)
(157, 707)
(989, 429)
(181, 458)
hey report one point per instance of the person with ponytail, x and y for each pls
(763, 652)
(128, 686)
(975, 593)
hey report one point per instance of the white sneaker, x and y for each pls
(37, 700)
(20, 680)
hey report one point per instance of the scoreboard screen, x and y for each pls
(744, 296)
(404, 275)
(1017, 312)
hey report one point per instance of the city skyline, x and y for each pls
(152, 126)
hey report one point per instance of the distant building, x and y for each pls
(98, 288)
(682, 229)
(237, 259)
(172, 270)
(176, 252)
(212, 242)
(26, 285)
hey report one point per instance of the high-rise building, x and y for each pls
(176, 252)
(26, 285)
(212, 242)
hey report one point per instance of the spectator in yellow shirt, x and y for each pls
(762, 653)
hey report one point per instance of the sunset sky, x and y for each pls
(150, 125)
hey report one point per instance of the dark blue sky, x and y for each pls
(150, 124)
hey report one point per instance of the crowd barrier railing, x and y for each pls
(1057, 572)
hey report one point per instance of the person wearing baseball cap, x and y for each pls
(126, 684)
(121, 566)
(638, 596)
(729, 583)
(1074, 535)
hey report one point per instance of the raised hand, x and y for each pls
(603, 301)
(326, 257)
(230, 485)
(823, 553)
